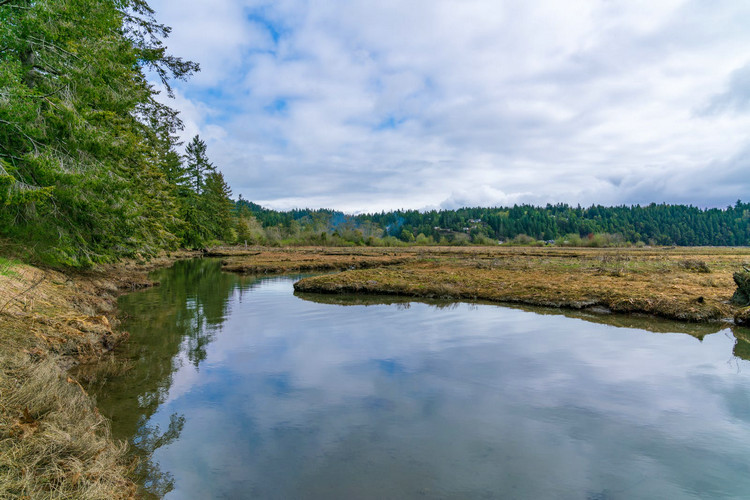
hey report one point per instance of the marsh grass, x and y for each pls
(669, 282)
(54, 444)
(695, 265)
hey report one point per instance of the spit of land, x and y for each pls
(687, 284)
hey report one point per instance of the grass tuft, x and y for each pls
(54, 444)
(7, 267)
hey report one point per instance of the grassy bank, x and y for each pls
(688, 284)
(53, 441)
(286, 260)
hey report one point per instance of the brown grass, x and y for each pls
(53, 441)
(274, 261)
(689, 284)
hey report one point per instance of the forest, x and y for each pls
(92, 169)
(561, 224)
(90, 162)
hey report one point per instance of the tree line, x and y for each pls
(90, 168)
(562, 224)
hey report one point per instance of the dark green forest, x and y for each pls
(92, 170)
(654, 224)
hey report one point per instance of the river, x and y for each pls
(238, 388)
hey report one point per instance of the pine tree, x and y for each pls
(217, 206)
(79, 177)
(198, 166)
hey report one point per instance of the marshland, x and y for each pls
(453, 313)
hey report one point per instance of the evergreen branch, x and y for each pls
(46, 43)
(20, 131)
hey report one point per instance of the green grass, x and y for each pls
(7, 265)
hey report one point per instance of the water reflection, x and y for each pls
(601, 316)
(170, 325)
(742, 345)
(241, 390)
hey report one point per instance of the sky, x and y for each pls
(364, 106)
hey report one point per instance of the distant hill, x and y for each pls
(658, 224)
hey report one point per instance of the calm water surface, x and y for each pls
(240, 389)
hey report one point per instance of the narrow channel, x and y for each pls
(237, 388)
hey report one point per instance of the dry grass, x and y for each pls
(53, 442)
(690, 284)
(272, 261)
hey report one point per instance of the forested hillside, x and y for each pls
(89, 163)
(565, 225)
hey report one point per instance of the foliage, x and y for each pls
(742, 294)
(6, 267)
(198, 166)
(83, 142)
(563, 225)
(89, 168)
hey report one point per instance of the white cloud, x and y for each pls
(360, 105)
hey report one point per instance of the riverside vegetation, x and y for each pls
(691, 284)
(53, 441)
(92, 173)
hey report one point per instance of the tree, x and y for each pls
(198, 166)
(80, 179)
(217, 206)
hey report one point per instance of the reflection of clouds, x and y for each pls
(296, 397)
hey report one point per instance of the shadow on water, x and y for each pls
(642, 322)
(173, 325)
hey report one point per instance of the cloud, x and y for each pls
(735, 98)
(359, 106)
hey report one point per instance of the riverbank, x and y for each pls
(686, 284)
(54, 443)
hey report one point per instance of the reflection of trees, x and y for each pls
(167, 324)
(147, 441)
(742, 344)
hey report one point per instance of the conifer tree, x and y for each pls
(217, 206)
(198, 166)
(80, 180)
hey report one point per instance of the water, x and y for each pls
(240, 389)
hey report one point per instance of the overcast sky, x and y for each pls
(364, 105)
